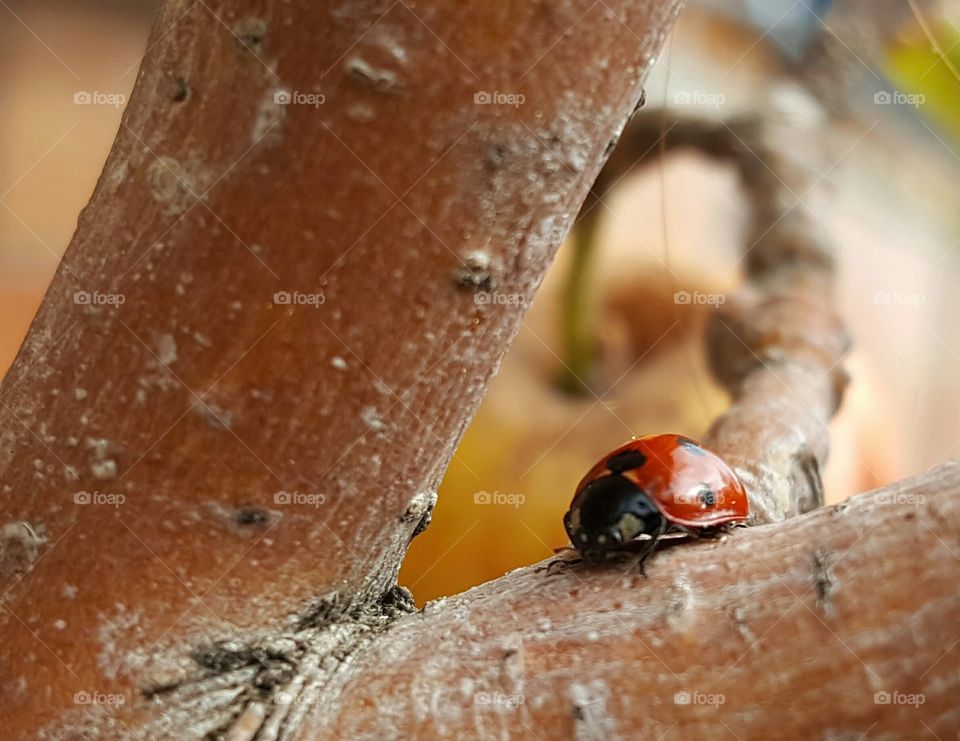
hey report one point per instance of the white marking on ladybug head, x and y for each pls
(630, 526)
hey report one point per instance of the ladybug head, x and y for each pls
(608, 513)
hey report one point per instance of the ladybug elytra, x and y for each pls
(652, 486)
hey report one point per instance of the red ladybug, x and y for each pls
(653, 485)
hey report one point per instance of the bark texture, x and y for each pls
(841, 623)
(208, 488)
(274, 322)
(816, 627)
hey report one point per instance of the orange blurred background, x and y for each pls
(504, 495)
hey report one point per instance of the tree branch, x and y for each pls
(779, 344)
(777, 631)
(785, 631)
(234, 407)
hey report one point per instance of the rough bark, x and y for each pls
(780, 631)
(213, 600)
(196, 474)
(817, 627)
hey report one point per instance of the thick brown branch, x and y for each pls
(238, 398)
(842, 621)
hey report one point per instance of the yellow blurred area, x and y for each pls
(917, 65)
(501, 503)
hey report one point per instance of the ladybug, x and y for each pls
(652, 486)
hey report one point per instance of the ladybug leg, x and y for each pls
(560, 564)
(703, 533)
(651, 546)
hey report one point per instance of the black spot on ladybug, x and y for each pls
(687, 444)
(628, 460)
(251, 516)
(707, 497)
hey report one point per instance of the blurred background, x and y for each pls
(885, 71)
